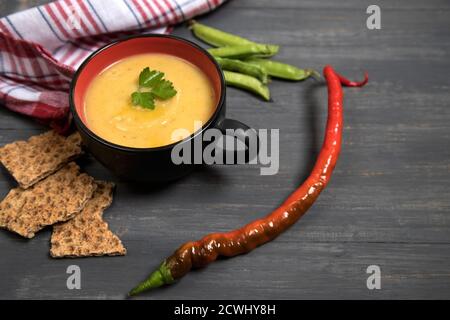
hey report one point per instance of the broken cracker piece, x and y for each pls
(33, 160)
(88, 234)
(57, 198)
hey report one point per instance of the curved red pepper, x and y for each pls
(201, 253)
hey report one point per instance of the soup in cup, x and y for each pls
(136, 141)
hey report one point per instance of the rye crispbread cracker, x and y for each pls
(32, 160)
(88, 234)
(57, 198)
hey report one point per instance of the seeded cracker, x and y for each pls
(33, 160)
(57, 198)
(88, 234)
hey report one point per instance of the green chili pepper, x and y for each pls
(238, 52)
(283, 70)
(243, 67)
(248, 83)
(218, 38)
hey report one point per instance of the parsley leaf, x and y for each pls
(144, 99)
(164, 90)
(159, 88)
(149, 78)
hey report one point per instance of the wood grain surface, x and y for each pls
(388, 203)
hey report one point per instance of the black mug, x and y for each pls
(154, 164)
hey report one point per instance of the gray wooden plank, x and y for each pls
(388, 202)
(326, 270)
(347, 4)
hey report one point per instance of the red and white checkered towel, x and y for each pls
(40, 48)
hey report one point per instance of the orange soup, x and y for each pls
(111, 114)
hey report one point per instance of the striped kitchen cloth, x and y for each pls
(40, 48)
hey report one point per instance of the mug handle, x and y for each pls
(243, 133)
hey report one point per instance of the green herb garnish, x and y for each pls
(152, 85)
(143, 99)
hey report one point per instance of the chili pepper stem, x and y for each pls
(157, 278)
(349, 83)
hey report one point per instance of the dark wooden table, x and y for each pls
(388, 203)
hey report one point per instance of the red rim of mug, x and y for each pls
(113, 52)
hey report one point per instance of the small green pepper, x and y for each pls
(243, 67)
(248, 83)
(283, 70)
(219, 38)
(240, 52)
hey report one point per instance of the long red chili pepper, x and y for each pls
(200, 253)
